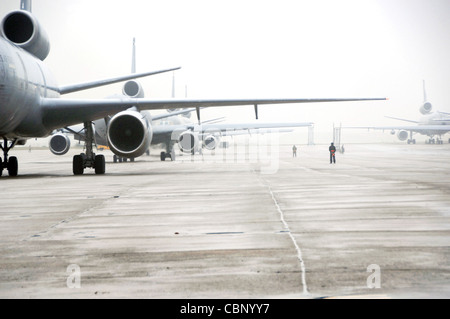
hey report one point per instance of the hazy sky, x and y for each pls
(260, 49)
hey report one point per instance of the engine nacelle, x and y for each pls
(24, 30)
(133, 89)
(188, 141)
(59, 144)
(426, 108)
(210, 142)
(129, 134)
(402, 135)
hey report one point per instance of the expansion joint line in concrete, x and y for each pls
(286, 226)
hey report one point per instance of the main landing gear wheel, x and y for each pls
(170, 155)
(82, 161)
(78, 165)
(13, 166)
(100, 166)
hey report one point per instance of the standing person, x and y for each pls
(294, 151)
(332, 150)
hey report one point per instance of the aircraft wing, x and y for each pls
(89, 85)
(223, 128)
(413, 128)
(163, 132)
(59, 113)
(211, 128)
(405, 120)
(170, 114)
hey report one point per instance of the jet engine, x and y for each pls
(59, 144)
(188, 141)
(402, 135)
(133, 89)
(129, 134)
(426, 108)
(210, 142)
(23, 29)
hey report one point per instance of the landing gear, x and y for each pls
(88, 160)
(170, 152)
(170, 155)
(11, 163)
(435, 141)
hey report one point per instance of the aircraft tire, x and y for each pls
(78, 165)
(163, 156)
(13, 166)
(100, 165)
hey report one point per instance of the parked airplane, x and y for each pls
(431, 124)
(31, 105)
(189, 137)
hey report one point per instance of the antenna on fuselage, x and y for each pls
(25, 5)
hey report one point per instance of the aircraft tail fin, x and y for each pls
(424, 92)
(133, 58)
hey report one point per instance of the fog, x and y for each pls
(260, 49)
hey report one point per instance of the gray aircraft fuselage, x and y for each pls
(24, 80)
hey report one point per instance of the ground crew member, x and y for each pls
(332, 150)
(294, 151)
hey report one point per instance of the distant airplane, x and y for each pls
(31, 107)
(431, 124)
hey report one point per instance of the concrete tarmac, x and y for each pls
(374, 225)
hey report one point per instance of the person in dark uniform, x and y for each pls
(332, 150)
(294, 151)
